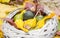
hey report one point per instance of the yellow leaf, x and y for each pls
(1, 22)
(20, 24)
(7, 1)
(2, 15)
(57, 37)
(30, 22)
(1, 34)
(0, 0)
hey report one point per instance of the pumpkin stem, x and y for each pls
(37, 13)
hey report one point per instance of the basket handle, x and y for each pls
(11, 14)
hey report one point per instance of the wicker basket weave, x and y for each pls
(47, 31)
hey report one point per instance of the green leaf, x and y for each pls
(59, 25)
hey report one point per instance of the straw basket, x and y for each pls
(47, 31)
